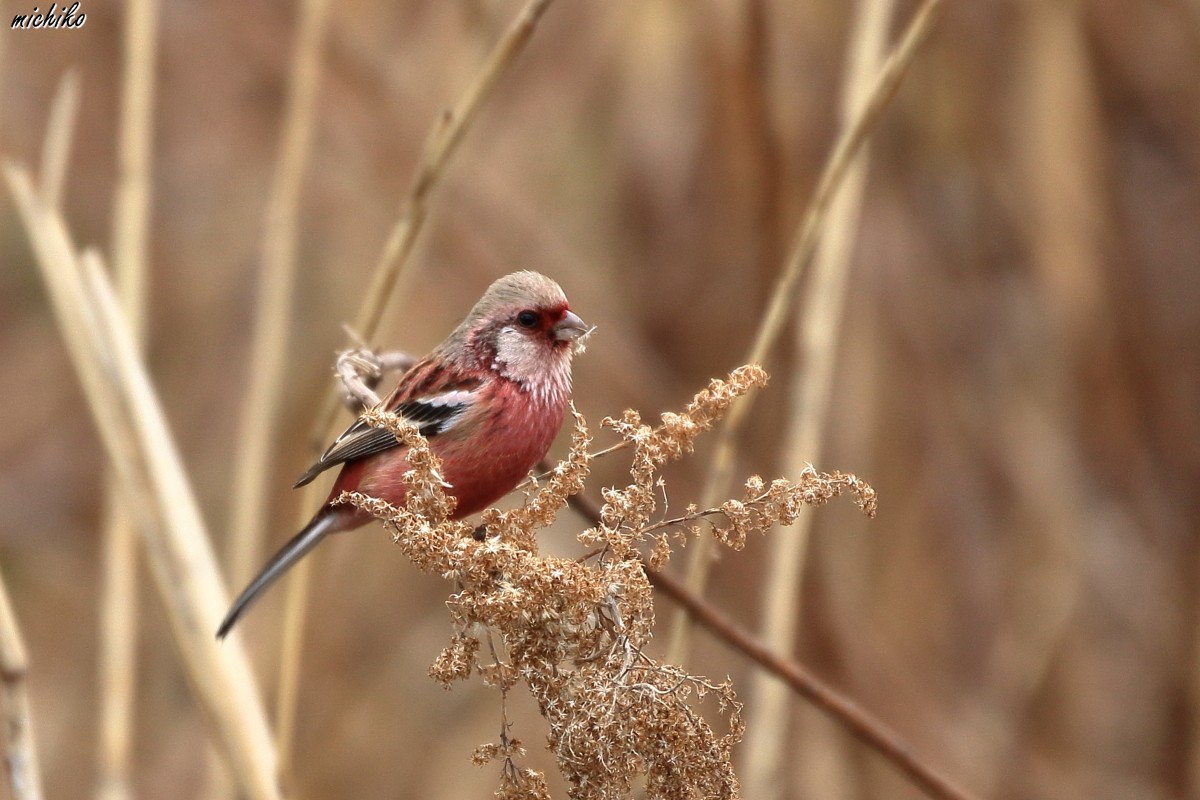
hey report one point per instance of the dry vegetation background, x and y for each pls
(1017, 372)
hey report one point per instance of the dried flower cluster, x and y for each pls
(574, 630)
(761, 507)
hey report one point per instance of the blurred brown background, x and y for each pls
(1018, 374)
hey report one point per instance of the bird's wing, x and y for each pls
(432, 414)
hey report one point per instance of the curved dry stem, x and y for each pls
(867, 728)
(440, 145)
(783, 296)
(859, 722)
(817, 345)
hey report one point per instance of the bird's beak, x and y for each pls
(570, 328)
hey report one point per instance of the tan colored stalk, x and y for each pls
(292, 641)
(817, 340)
(56, 147)
(440, 144)
(259, 421)
(20, 753)
(1061, 156)
(264, 386)
(117, 650)
(119, 586)
(154, 487)
(803, 246)
(134, 159)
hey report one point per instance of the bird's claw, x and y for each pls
(360, 369)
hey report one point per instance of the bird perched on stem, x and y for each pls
(490, 399)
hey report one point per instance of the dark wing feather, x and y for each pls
(431, 416)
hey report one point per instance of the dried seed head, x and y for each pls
(573, 630)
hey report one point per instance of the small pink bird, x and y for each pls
(490, 399)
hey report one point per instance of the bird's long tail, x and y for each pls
(325, 522)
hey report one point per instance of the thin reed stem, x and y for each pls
(811, 388)
(20, 747)
(295, 606)
(259, 419)
(440, 145)
(119, 588)
(154, 486)
(56, 147)
(118, 649)
(268, 360)
(804, 243)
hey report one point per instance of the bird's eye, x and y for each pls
(528, 319)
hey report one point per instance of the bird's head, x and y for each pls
(524, 329)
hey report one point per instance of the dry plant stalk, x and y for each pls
(154, 485)
(441, 143)
(574, 630)
(132, 197)
(817, 342)
(273, 311)
(20, 750)
(265, 381)
(56, 146)
(801, 251)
